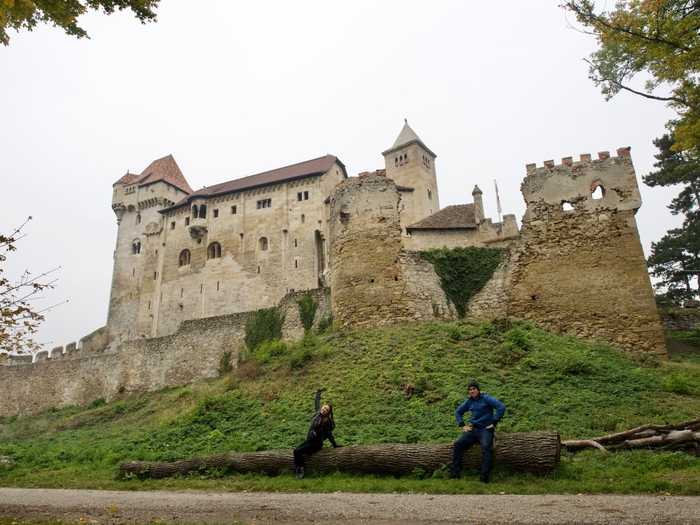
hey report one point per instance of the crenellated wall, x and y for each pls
(193, 353)
(579, 267)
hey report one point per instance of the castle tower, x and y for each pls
(411, 165)
(136, 200)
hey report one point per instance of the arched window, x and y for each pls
(195, 211)
(263, 244)
(214, 251)
(184, 259)
(567, 206)
(138, 218)
(136, 247)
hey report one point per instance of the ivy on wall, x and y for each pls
(263, 325)
(463, 271)
(307, 311)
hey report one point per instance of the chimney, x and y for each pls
(478, 205)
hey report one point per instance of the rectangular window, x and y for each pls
(155, 275)
(303, 196)
(216, 213)
(187, 221)
(172, 225)
(306, 195)
(299, 196)
(233, 210)
(264, 203)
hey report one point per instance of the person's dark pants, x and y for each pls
(477, 435)
(308, 447)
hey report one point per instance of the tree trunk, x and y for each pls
(528, 451)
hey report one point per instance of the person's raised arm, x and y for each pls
(317, 400)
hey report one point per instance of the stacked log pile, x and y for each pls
(684, 436)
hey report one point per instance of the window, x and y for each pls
(264, 203)
(430, 194)
(233, 210)
(303, 196)
(216, 213)
(202, 211)
(263, 244)
(295, 243)
(195, 211)
(138, 218)
(172, 225)
(214, 251)
(566, 206)
(258, 269)
(187, 221)
(303, 218)
(184, 258)
(598, 192)
(136, 247)
(155, 275)
(296, 263)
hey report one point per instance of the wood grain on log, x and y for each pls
(537, 452)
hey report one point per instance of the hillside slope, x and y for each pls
(392, 384)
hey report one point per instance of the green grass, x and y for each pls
(393, 384)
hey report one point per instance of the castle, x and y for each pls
(190, 266)
(244, 244)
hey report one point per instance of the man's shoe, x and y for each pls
(299, 472)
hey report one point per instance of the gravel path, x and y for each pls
(115, 507)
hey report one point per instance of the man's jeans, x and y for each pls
(477, 435)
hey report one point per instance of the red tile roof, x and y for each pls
(456, 217)
(164, 169)
(287, 173)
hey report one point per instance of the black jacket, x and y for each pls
(321, 429)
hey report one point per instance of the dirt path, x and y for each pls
(114, 507)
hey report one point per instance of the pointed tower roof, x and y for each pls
(164, 169)
(407, 137)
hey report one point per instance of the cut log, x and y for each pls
(537, 452)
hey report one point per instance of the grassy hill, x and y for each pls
(393, 384)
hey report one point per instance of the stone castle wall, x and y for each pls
(582, 271)
(373, 281)
(193, 353)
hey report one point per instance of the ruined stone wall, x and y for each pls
(583, 271)
(193, 353)
(680, 318)
(373, 282)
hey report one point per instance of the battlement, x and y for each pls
(584, 185)
(584, 158)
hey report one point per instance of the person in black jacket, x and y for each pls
(321, 428)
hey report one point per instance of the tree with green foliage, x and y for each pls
(19, 317)
(27, 14)
(675, 259)
(263, 325)
(307, 311)
(658, 39)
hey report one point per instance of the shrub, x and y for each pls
(97, 403)
(307, 311)
(463, 271)
(268, 350)
(263, 325)
(225, 365)
(325, 323)
(678, 384)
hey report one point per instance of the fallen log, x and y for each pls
(537, 452)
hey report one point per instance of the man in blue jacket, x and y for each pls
(479, 429)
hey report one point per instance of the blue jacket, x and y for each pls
(481, 410)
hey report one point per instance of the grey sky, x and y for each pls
(234, 88)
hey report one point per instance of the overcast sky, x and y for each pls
(234, 88)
